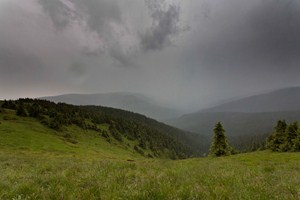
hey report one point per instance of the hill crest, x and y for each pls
(286, 99)
(133, 102)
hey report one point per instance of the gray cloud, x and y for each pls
(96, 14)
(165, 25)
(14, 62)
(78, 68)
(266, 34)
(101, 17)
(59, 13)
(105, 16)
(122, 58)
(276, 29)
(244, 46)
(99, 13)
(233, 48)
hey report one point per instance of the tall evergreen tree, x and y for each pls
(289, 137)
(296, 142)
(275, 141)
(220, 145)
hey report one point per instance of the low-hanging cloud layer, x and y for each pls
(190, 54)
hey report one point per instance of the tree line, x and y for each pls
(285, 138)
(148, 134)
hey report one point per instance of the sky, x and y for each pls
(188, 53)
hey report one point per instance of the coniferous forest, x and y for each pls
(160, 139)
(285, 138)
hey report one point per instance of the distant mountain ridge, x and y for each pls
(127, 101)
(286, 99)
(247, 119)
(243, 129)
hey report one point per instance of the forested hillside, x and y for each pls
(248, 121)
(144, 135)
(246, 131)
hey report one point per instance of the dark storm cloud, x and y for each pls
(276, 30)
(97, 16)
(263, 35)
(243, 47)
(59, 13)
(165, 25)
(99, 13)
(232, 47)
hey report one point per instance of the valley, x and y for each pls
(248, 121)
(149, 100)
(38, 161)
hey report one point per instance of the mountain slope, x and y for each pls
(128, 130)
(248, 120)
(27, 134)
(243, 129)
(235, 123)
(126, 101)
(279, 100)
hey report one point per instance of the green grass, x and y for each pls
(261, 175)
(39, 163)
(19, 133)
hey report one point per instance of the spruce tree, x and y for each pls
(220, 145)
(275, 141)
(289, 137)
(296, 142)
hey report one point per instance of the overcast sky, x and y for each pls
(189, 53)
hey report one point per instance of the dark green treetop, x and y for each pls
(275, 141)
(220, 145)
(285, 138)
(289, 136)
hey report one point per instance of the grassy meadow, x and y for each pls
(40, 163)
(260, 175)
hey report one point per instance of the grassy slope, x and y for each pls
(260, 175)
(150, 137)
(22, 134)
(38, 163)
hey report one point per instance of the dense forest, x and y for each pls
(285, 138)
(157, 139)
